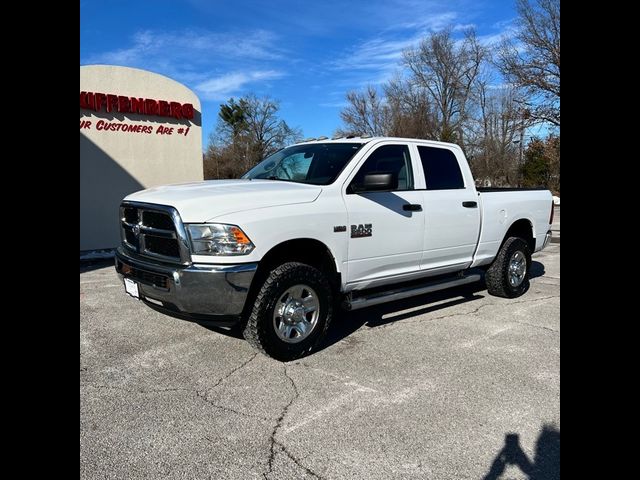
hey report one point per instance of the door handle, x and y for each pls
(412, 207)
(470, 204)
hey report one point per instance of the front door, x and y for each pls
(386, 228)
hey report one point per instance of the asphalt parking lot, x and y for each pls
(452, 385)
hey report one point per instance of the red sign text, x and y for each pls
(97, 101)
(102, 125)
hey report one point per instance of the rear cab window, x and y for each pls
(441, 168)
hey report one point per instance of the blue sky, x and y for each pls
(305, 54)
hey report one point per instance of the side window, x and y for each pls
(394, 159)
(441, 168)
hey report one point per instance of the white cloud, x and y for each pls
(197, 58)
(464, 26)
(376, 60)
(196, 46)
(190, 56)
(503, 24)
(506, 30)
(341, 104)
(385, 51)
(220, 88)
(431, 22)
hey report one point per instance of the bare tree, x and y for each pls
(248, 131)
(449, 92)
(447, 70)
(266, 132)
(494, 149)
(531, 60)
(366, 113)
(403, 111)
(410, 111)
(224, 161)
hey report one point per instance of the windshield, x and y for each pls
(315, 163)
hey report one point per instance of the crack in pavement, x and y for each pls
(204, 396)
(228, 409)
(177, 389)
(536, 326)
(276, 428)
(297, 461)
(238, 412)
(234, 370)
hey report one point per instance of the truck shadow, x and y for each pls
(96, 264)
(345, 323)
(536, 270)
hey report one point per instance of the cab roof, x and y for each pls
(366, 139)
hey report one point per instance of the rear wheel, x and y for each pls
(508, 275)
(291, 313)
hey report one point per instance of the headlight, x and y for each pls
(218, 239)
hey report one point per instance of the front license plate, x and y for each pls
(131, 288)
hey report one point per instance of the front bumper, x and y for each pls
(211, 294)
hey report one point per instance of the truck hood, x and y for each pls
(204, 201)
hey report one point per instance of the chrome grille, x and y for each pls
(154, 231)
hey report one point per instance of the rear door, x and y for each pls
(385, 238)
(451, 210)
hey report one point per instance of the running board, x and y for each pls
(400, 293)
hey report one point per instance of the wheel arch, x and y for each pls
(304, 250)
(524, 229)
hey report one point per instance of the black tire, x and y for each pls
(260, 330)
(497, 275)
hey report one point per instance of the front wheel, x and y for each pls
(508, 275)
(291, 313)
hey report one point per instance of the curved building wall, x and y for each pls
(138, 129)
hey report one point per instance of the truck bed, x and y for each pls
(501, 207)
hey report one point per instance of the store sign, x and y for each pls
(117, 126)
(108, 102)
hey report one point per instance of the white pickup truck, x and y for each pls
(322, 224)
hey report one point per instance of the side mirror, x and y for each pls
(376, 182)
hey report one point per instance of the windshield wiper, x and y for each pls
(273, 177)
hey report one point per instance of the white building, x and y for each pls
(138, 129)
